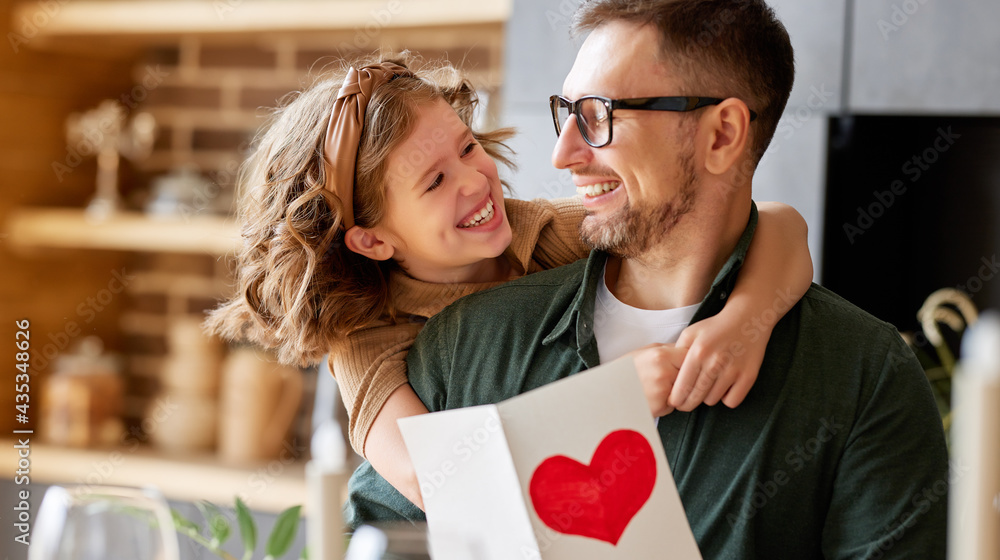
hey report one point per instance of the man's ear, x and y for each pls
(367, 243)
(730, 130)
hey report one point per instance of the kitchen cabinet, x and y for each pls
(925, 57)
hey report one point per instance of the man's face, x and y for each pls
(637, 188)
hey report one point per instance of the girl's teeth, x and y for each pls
(597, 188)
(484, 215)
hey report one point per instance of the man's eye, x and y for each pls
(437, 182)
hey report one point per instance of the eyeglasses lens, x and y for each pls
(562, 114)
(593, 115)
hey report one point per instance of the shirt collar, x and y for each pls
(581, 312)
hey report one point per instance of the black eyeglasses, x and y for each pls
(593, 112)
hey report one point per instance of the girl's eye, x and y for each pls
(437, 182)
(469, 148)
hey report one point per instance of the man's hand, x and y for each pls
(657, 366)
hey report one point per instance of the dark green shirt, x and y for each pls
(837, 451)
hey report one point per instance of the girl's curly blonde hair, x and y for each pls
(300, 290)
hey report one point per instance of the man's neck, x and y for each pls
(680, 271)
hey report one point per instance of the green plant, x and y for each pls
(219, 530)
(954, 310)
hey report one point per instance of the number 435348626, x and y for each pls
(23, 343)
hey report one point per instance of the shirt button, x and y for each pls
(723, 295)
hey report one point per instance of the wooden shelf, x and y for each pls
(164, 18)
(71, 228)
(269, 486)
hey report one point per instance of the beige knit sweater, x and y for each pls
(372, 364)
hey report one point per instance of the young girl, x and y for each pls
(369, 205)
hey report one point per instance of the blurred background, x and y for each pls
(888, 148)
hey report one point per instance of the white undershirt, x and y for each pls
(620, 328)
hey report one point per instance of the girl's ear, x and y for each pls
(367, 243)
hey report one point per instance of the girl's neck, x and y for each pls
(496, 269)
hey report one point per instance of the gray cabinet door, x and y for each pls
(925, 56)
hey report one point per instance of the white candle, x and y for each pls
(974, 502)
(325, 479)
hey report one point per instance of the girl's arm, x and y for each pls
(725, 351)
(373, 367)
(385, 449)
(559, 239)
(371, 375)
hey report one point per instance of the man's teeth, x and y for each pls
(484, 215)
(597, 188)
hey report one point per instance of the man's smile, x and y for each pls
(597, 189)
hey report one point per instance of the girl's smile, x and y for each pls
(479, 217)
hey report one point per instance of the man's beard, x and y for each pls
(630, 232)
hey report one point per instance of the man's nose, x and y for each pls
(570, 149)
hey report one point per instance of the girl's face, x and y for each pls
(445, 217)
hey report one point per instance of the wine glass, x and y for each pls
(103, 523)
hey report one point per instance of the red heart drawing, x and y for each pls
(597, 500)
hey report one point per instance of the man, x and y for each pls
(837, 451)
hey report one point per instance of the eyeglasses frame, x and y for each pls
(677, 104)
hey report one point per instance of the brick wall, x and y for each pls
(162, 288)
(210, 98)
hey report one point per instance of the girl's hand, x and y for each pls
(721, 363)
(657, 366)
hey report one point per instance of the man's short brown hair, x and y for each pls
(720, 48)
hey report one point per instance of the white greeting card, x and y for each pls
(572, 470)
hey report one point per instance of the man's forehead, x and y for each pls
(618, 59)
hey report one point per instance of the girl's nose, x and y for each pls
(471, 181)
